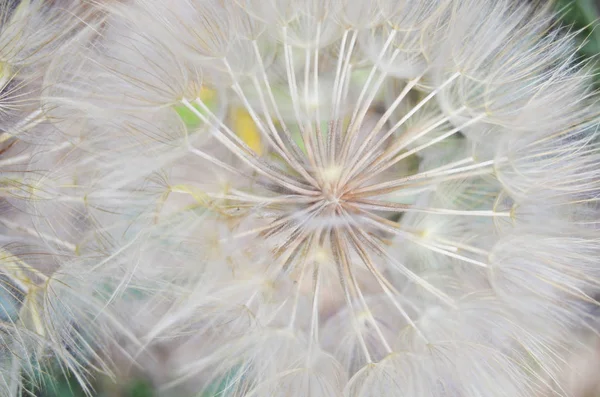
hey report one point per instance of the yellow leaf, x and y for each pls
(246, 129)
(207, 95)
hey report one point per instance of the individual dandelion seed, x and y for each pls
(55, 310)
(30, 31)
(336, 197)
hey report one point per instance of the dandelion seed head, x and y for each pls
(331, 197)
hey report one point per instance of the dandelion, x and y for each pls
(327, 197)
(47, 303)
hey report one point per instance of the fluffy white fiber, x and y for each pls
(297, 197)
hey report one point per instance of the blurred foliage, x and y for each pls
(581, 14)
(66, 386)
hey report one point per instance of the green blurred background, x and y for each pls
(581, 14)
(584, 14)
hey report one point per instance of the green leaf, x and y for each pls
(584, 14)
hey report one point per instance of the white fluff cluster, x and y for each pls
(297, 197)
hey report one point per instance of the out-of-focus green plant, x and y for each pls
(584, 15)
(66, 386)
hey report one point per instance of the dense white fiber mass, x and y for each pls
(297, 197)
